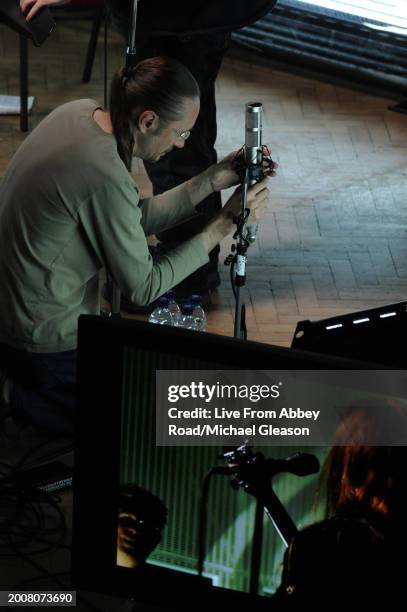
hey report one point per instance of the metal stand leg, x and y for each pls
(116, 298)
(23, 84)
(105, 58)
(240, 330)
(401, 107)
(256, 549)
(90, 56)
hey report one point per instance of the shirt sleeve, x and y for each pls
(166, 210)
(112, 223)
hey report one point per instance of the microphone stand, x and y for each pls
(239, 262)
(130, 61)
(131, 48)
(203, 510)
(254, 474)
(257, 547)
(250, 168)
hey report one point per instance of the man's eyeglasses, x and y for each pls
(184, 135)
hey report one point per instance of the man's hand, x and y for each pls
(31, 7)
(222, 224)
(257, 200)
(222, 175)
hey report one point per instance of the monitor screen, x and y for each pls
(137, 506)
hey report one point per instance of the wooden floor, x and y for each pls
(334, 238)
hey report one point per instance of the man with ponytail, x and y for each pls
(198, 35)
(69, 207)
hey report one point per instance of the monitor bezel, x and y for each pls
(101, 343)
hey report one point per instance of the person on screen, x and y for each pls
(351, 556)
(69, 207)
(142, 518)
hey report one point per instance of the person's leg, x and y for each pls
(203, 56)
(43, 390)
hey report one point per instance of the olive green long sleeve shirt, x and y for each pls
(69, 207)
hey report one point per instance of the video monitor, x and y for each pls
(137, 506)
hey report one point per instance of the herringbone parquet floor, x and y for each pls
(334, 238)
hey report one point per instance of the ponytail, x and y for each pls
(160, 84)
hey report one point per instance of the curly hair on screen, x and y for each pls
(362, 472)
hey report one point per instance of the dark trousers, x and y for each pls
(202, 54)
(44, 388)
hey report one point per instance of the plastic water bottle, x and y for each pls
(161, 313)
(187, 319)
(198, 312)
(173, 306)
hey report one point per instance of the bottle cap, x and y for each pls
(170, 295)
(163, 302)
(196, 299)
(187, 309)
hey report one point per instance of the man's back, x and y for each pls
(48, 272)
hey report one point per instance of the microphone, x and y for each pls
(223, 470)
(253, 153)
(299, 464)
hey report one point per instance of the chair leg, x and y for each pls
(90, 56)
(401, 107)
(105, 61)
(23, 83)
